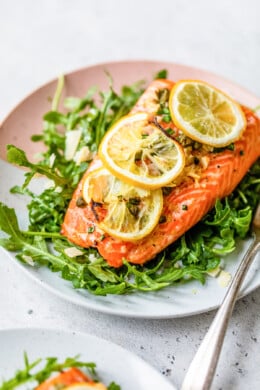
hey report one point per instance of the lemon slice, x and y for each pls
(86, 386)
(139, 153)
(127, 212)
(206, 114)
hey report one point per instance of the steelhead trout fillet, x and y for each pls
(208, 175)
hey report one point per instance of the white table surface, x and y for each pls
(41, 39)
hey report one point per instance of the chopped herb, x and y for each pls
(231, 147)
(166, 190)
(228, 147)
(184, 207)
(162, 74)
(163, 110)
(80, 202)
(138, 155)
(166, 118)
(133, 208)
(134, 201)
(91, 229)
(169, 131)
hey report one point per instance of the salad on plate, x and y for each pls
(145, 188)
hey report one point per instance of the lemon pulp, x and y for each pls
(136, 151)
(127, 212)
(206, 114)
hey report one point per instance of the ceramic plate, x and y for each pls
(127, 370)
(25, 119)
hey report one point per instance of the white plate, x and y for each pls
(177, 301)
(113, 362)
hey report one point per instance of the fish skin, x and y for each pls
(224, 172)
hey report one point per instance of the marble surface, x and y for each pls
(42, 39)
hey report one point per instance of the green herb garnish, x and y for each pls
(162, 74)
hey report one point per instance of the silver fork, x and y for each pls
(202, 368)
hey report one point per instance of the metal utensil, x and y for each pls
(202, 369)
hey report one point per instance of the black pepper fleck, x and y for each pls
(162, 219)
(196, 160)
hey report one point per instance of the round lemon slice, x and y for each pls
(139, 153)
(86, 386)
(206, 114)
(124, 211)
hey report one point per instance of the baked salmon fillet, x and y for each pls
(208, 175)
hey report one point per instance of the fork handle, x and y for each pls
(202, 369)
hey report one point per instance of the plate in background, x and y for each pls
(127, 370)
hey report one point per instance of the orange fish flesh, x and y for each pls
(207, 176)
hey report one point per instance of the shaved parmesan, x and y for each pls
(52, 159)
(214, 272)
(73, 252)
(84, 154)
(28, 260)
(92, 257)
(224, 278)
(71, 143)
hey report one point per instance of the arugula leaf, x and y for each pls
(77, 104)
(31, 247)
(9, 225)
(18, 157)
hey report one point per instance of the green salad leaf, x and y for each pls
(196, 253)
